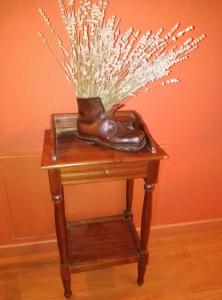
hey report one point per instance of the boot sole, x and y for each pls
(98, 141)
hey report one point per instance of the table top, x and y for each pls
(73, 152)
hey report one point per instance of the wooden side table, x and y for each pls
(102, 242)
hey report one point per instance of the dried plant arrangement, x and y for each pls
(103, 62)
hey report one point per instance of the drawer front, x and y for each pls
(103, 172)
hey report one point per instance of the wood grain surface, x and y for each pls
(183, 266)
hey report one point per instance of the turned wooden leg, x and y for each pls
(145, 230)
(129, 198)
(60, 223)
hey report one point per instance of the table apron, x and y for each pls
(106, 172)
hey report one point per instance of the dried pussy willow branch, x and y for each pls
(103, 62)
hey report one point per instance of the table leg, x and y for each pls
(60, 223)
(129, 198)
(145, 230)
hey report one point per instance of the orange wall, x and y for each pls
(184, 118)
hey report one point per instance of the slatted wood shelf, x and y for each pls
(102, 242)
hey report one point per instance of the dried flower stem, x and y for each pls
(102, 62)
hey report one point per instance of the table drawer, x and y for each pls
(103, 172)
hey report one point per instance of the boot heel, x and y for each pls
(86, 140)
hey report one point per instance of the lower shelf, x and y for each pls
(102, 242)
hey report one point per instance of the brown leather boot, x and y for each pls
(96, 125)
